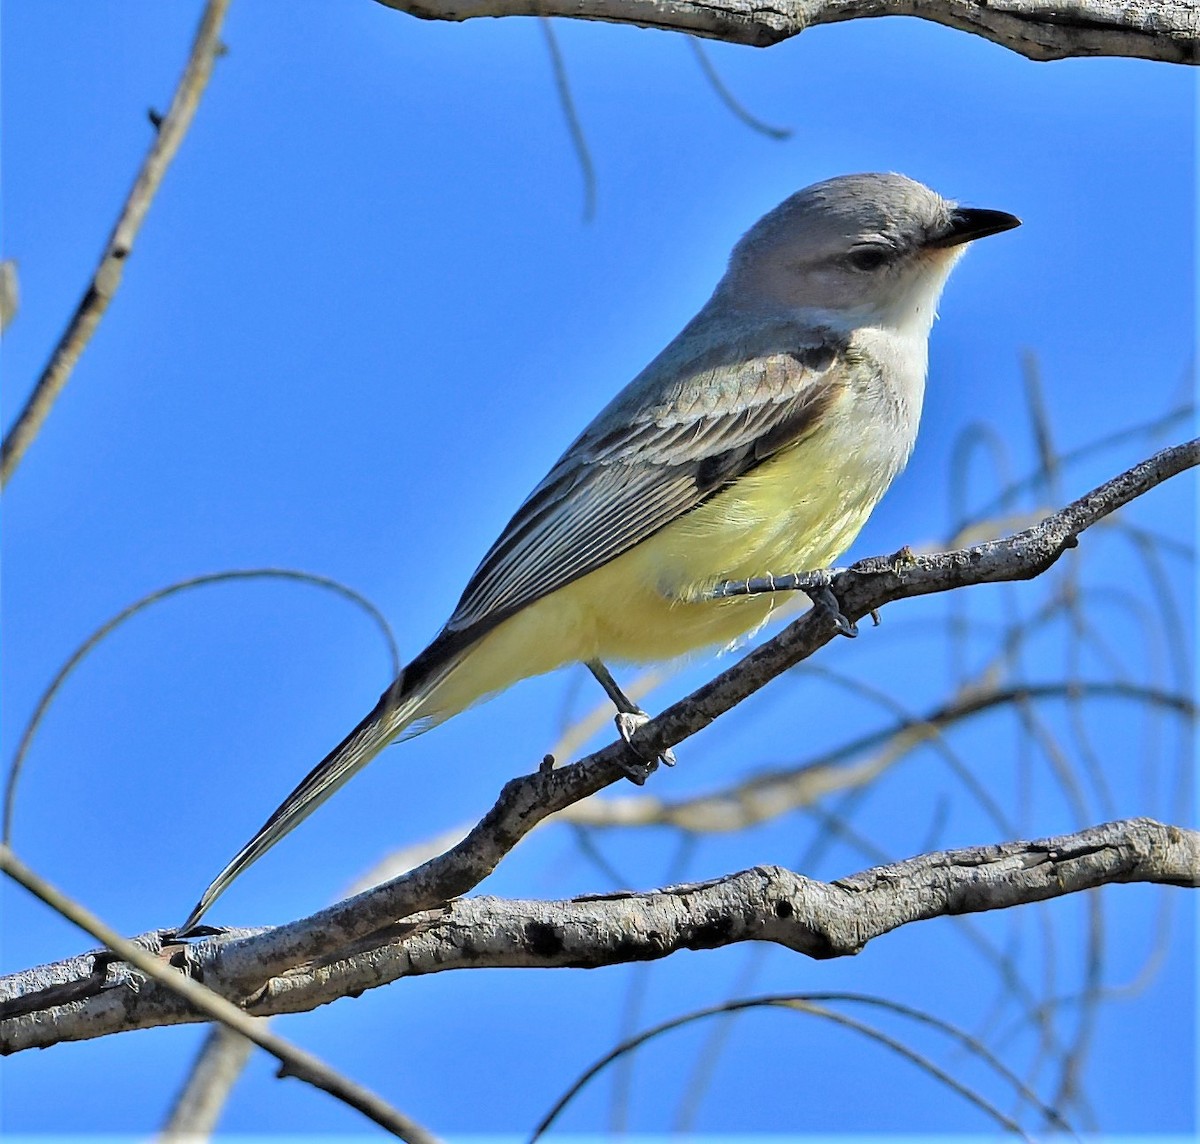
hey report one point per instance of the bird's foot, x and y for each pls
(824, 601)
(629, 718)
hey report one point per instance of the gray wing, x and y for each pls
(677, 436)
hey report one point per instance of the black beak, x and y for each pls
(969, 223)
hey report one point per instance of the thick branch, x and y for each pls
(1163, 30)
(819, 919)
(524, 802)
(243, 964)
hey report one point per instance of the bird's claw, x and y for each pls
(823, 600)
(628, 722)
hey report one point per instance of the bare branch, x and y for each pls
(819, 919)
(768, 794)
(1163, 30)
(169, 133)
(251, 965)
(806, 1003)
(526, 801)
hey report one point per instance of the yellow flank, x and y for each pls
(798, 511)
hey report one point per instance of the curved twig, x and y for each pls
(731, 101)
(562, 87)
(159, 594)
(811, 1003)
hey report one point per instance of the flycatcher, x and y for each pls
(757, 442)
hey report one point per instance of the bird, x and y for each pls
(758, 441)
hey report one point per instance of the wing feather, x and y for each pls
(678, 435)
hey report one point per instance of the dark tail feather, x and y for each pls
(398, 708)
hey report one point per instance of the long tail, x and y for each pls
(398, 709)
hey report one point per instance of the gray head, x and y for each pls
(863, 249)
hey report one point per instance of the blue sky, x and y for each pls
(363, 317)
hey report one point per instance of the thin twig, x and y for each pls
(107, 278)
(736, 108)
(1153, 429)
(809, 1002)
(562, 86)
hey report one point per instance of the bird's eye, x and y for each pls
(868, 257)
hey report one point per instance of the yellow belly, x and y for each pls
(796, 512)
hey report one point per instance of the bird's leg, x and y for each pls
(629, 718)
(816, 585)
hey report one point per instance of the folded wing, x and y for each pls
(643, 464)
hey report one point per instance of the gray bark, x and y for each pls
(1164, 30)
(92, 995)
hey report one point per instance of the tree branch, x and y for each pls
(1164, 30)
(246, 964)
(526, 801)
(819, 919)
(770, 794)
(169, 133)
